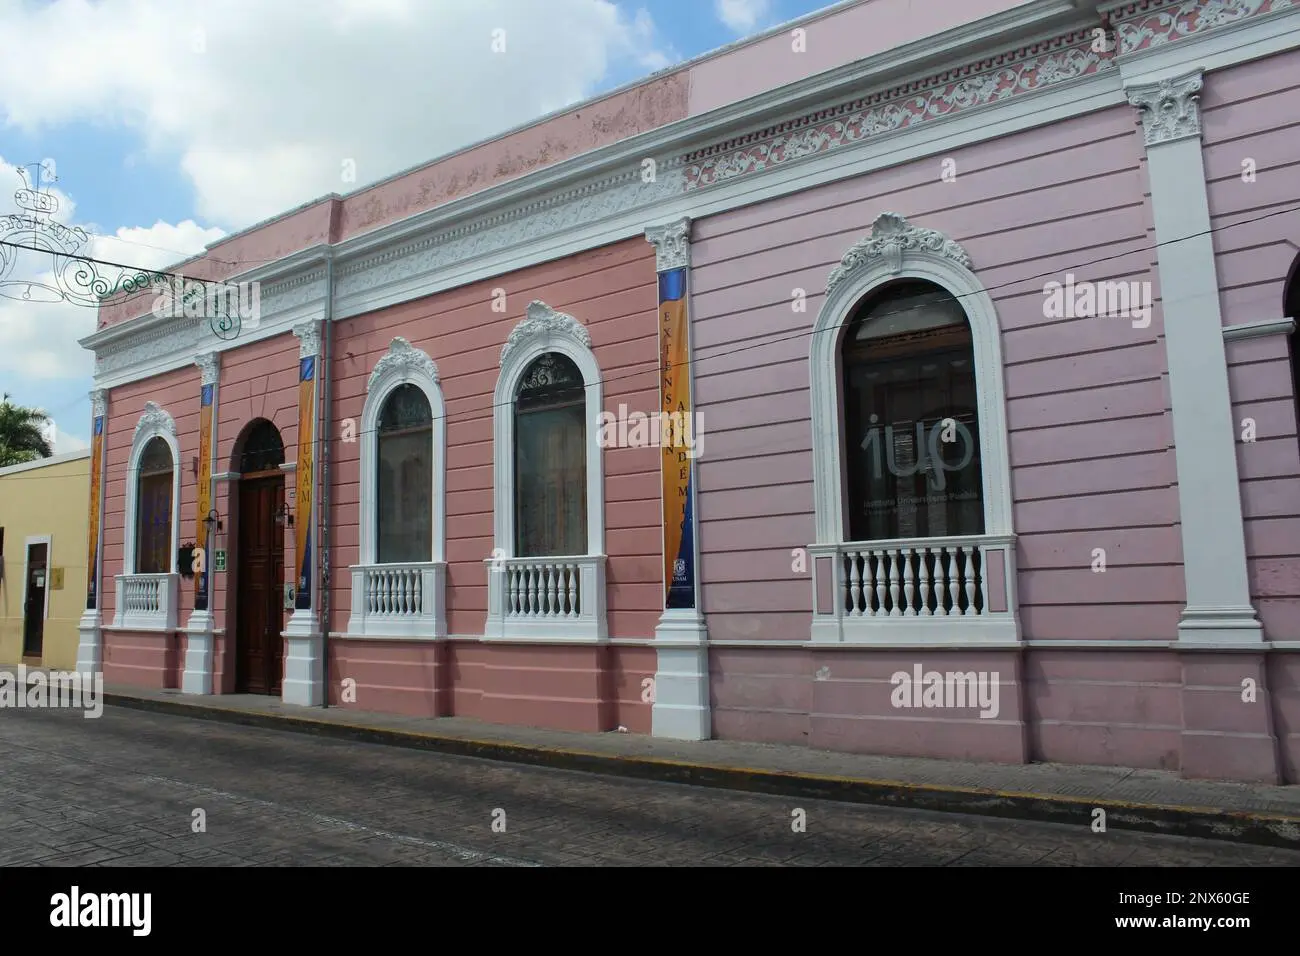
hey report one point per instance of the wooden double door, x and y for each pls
(259, 582)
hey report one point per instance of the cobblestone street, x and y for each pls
(126, 790)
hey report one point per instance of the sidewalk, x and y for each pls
(1146, 800)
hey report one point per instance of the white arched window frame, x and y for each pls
(542, 597)
(147, 602)
(842, 611)
(408, 599)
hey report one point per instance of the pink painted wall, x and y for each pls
(178, 394)
(1087, 411)
(1252, 112)
(612, 292)
(833, 40)
(658, 101)
(259, 380)
(146, 659)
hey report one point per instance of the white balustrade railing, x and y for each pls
(146, 602)
(953, 590)
(562, 597)
(399, 600)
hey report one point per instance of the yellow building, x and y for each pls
(43, 513)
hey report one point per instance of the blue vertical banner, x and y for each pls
(678, 487)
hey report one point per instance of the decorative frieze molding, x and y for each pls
(155, 419)
(308, 334)
(210, 367)
(1025, 70)
(891, 237)
(403, 362)
(98, 402)
(604, 196)
(1169, 108)
(556, 213)
(151, 340)
(543, 321)
(672, 244)
(1154, 23)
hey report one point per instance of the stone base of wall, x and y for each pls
(1206, 715)
(143, 658)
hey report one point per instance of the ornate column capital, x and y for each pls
(309, 334)
(210, 365)
(1169, 109)
(98, 402)
(672, 244)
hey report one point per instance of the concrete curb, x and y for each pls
(1261, 829)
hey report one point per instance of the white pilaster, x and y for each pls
(681, 708)
(199, 640)
(1218, 607)
(90, 636)
(304, 664)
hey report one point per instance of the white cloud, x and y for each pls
(260, 103)
(39, 328)
(743, 16)
(63, 443)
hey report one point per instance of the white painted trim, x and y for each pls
(430, 623)
(1219, 609)
(45, 462)
(1251, 330)
(512, 249)
(545, 330)
(825, 361)
(287, 466)
(1230, 44)
(525, 207)
(48, 541)
(402, 364)
(154, 423)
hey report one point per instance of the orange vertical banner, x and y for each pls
(678, 493)
(303, 478)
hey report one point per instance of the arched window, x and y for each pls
(911, 468)
(404, 499)
(911, 428)
(153, 530)
(550, 459)
(263, 449)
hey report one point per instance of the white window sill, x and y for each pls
(553, 598)
(398, 600)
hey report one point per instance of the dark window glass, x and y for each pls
(263, 449)
(551, 459)
(153, 529)
(404, 496)
(911, 427)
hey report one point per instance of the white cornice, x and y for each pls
(599, 197)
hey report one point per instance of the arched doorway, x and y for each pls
(258, 593)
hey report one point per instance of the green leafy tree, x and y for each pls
(22, 437)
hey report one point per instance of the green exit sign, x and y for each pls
(219, 557)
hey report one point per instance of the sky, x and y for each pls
(160, 126)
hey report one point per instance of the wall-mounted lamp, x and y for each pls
(283, 516)
(214, 517)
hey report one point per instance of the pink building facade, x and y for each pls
(979, 408)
